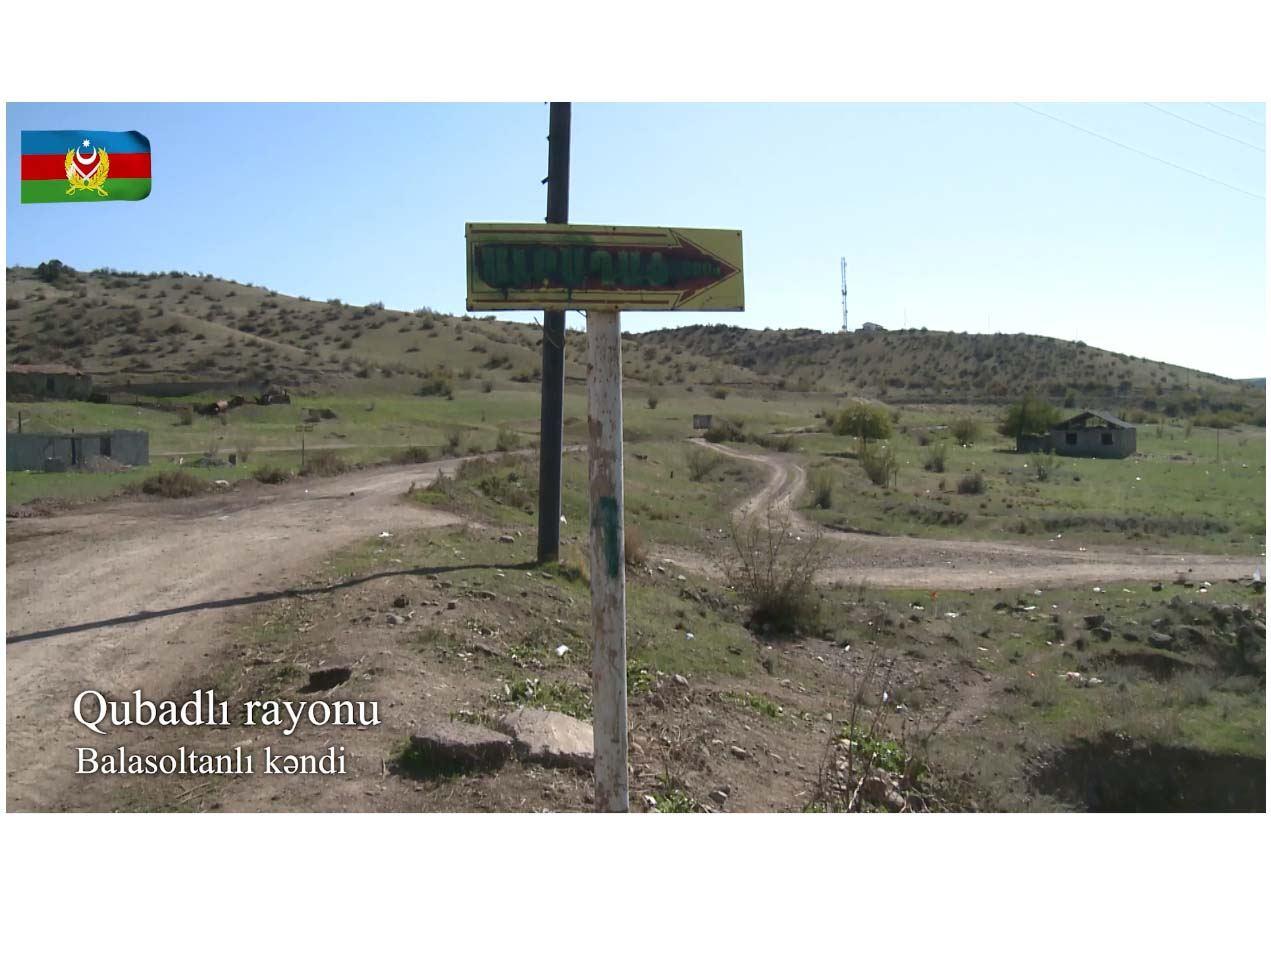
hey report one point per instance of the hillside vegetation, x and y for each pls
(129, 329)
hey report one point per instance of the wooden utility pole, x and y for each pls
(608, 562)
(552, 403)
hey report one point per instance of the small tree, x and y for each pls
(52, 271)
(1032, 415)
(864, 421)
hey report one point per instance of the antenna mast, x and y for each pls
(843, 275)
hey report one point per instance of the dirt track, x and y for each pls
(134, 594)
(128, 594)
(907, 562)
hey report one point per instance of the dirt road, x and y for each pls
(908, 562)
(128, 594)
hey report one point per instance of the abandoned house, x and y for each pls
(1089, 434)
(48, 382)
(56, 452)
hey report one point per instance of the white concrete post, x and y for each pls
(608, 573)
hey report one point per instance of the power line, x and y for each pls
(1232, 112)
(1191, 122)
(1146, 155)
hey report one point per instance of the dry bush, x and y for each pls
(701, 462)
(965, 430)
(635, 547)
(174, 484)
(822, 489)
(935, 457)
(773, 568)
(325, 463)
(507, 440)
(972, 483)
(413, 455)
(879, 758)
(880, 464)
(272, 474)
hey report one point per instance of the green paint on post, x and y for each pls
(607, 515)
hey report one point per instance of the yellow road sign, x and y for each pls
(628, 268)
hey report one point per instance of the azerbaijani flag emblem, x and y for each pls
(73, 165)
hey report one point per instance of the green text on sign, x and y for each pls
(531, 267)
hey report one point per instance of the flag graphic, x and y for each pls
(77, 165)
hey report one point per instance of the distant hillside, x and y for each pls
(913, 365)
(132, 330)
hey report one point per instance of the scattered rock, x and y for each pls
(457, 743)
(881, 790)
(1193, 635)
(452, 604)
(738, 752)
(507, 538)
(1104, 633)
(680, 680)
(551, 738)
(1094, 621)
(719, 797)
(1159, 640)
(395, 619)
(1157, 587)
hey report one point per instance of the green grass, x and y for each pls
(1172, 494)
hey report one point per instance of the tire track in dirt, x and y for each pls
(904, 562)
(135, 594)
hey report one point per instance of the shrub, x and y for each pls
(934, 460)
(272, 474)
(185, 416)
(701, 462)
(719, 393)
(53, 271)
(1045, 465)
(773, 569)
(722, 429)
(635, 548)
(174, 484)
(413, 455)
(965, 430)
(864, 421)
(972, 483)
(507, 440)
(325, 463)
(880, 464)
(652, 399)
(438, 383)
(487, 386)
(454, 439)
(823, 489)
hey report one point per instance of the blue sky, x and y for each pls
(952, 217)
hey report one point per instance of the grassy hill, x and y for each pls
(937, 366)
(132, 329)
(128, 329)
